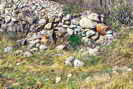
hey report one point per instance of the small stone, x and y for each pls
(72, 26)
(7, 19)
(70, 31)
(93, 51)
(67, 17)
(43, 47)
(58, 79)
(27, 54)
(75, 21)
(69, 75)
(60, 47)
(69, 60)
(33, 50)
(8, 49)
(90, 33)
(78, 63)
(67, 22)
(57, 19)
(48, 26)
(37, 45)
(52, 19)
(42, 21)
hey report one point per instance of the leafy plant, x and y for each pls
(75, 40)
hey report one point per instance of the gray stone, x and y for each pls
(60, 47)
(87, 23)
(75, 21)
(72, 26)
(67, 23)
(43, 47)
(57, 19)
(33, 50)
(38, 45)
(7, 19)
(67, 17)
(93, 51)
(42, 21)
(90, 33)
(78, 63)
(48, 26)
(27, 54)
(69, 60)
(70, 31)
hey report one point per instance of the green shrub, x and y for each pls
(75, 40)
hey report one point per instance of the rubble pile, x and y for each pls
(45, 25)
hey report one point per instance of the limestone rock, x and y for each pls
(43, 47)
(78, 63)
(87, 23)
(27, 54)
(48, 26)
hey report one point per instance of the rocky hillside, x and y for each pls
(46, 44)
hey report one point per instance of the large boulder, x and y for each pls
(85, 22)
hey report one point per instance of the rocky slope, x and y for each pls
(59, 50)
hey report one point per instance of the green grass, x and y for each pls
(40, 70)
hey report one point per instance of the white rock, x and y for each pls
(93, 16)
(78, 63)
(42, 21)
(27, 54)
(70, 31)
(7, 19)
(69, 75)
(58, 79)
(34, 50)
(43, 47)
(87, 23)
(75, 21)
(93, 51)
(60, 47)
(69, 60)
(48, 26)
(90, 33)
(67, 17)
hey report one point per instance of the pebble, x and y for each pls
(93, 51)
(69, 60)
(27, 54)
(42, 21)
(48, 26)
(60, 47)
(78, 63)
(43, 47)
(58, 79)
(70, 31)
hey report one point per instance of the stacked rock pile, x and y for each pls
(44, 24)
